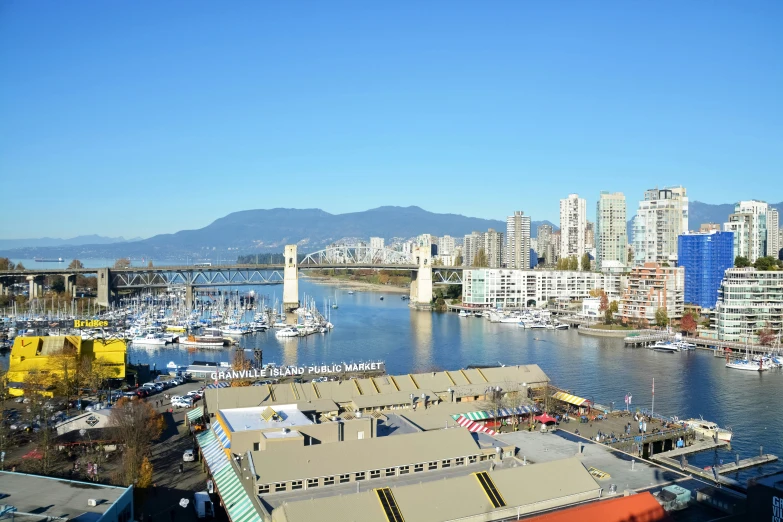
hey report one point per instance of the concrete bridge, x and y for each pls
(342, 257)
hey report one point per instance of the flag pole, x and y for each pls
(652, 412)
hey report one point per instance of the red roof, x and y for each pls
(640, 508)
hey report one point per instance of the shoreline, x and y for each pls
(356, 285)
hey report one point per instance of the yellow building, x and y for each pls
(38, 362)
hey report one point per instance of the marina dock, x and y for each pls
(719, 348)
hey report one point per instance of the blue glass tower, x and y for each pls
(705, 258)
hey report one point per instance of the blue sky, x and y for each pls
(137, 118)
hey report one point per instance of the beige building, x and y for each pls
(518, 241)
(660, 219)
(573, 224)
(650, 287)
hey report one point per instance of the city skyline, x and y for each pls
(180, 120)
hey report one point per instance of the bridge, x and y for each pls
(338, 257)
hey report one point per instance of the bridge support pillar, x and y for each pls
(290, 279)
(189, 301)
(421, 279)
(67, 282)
(104, 287)
(31, 290)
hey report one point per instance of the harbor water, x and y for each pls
(687, 384)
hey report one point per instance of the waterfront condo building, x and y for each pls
(611, 234)
(573, 224)
(705, 257)
(650, 287)
(659, 221)
(748, 300)
(446, 245)
(483, 288)
(749, 224)
(773, 233)
(545, 243)
(518, 241)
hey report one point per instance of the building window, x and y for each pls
(390, 472)
(404, 470)
(483, 458)
(329, 481)
(359, 475)
(255, 446)
(432, 466)
(418, 467)
(472, 459)
(445, 464)
(376, 473)
(280, 486)
(345, 478)
(459, 461)
(296, 484)
(264, 488)
(312, 483)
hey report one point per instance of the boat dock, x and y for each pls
(719, 348)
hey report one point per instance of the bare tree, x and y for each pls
(136, 425)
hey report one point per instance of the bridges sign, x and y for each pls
(300, 371)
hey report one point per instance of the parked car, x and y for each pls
(191, 393)
(177, 398)
(188, 456)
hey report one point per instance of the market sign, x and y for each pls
(287, 371)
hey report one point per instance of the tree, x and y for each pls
(630, 256)
(58, 285)
(661, 317)
(6, 264)
(240, 363)
(573, 263)
(76, 264)
(766, 263)
(665, 264)
(688, 323)
(596, 292)
(480, 259)
(145, 474)
(767, 336)
(614, 307)
(741, 262)
(149, 264)
(19, 266)
(123, 262)
(585, 262)
(603, 306)
(562, 264)
(458, 261)
(136, 425)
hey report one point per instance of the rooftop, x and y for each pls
(62, 498)
(258, 418)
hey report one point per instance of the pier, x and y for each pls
(718, 347)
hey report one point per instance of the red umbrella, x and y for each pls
(545, 418)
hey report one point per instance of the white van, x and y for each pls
(203, 505)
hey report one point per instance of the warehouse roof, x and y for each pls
(532, 488)
(641, 508)
(323, 460)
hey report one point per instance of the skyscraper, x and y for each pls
(470, 246)
(545, 243)
(573, 222)
(611, 236)
(661, 218)
(773, 233)
(446, 246)
(493, 248)
(705, 257)
(749, 224)
(518, 241)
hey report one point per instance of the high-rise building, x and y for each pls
(376, 243)
(470, 247)
(589, 236)
(611, 229)
(773, 233)
(493, 248)
(710, 227)
(518, 241)
(555, 246)
(446, 246)
(573, 223)
(749, 224)
(705, 257)
(748, 301)
(545, 243)
(661, 218)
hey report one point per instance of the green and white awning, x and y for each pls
(235, 499)
(502, 412)
(195, 414)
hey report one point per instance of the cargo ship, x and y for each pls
(58, 260)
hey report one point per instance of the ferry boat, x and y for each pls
(665, 346)
(708, 429)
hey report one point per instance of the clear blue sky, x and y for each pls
(137, 118)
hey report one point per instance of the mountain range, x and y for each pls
(268, 230)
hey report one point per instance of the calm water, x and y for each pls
(686, 384)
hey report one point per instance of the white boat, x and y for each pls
(150, 339)
(350, 292)
(708, 429)
(463, 313)
(287, 332)
(744, 364)
(536, 326)
(561, 326)
(665, 346)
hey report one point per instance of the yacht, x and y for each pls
(561, 326)
(463, 313)
(536, 326)
(287, 332)
(685, 345)
(350, 292)
(745, 364)
(708, 429)
(665, 346)
(150, 339)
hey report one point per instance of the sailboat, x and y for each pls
(747, 363)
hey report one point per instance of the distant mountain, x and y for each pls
(252, 231)
(700, 213)
(7, 244)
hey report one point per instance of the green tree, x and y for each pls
(661, 317)
(123, 262)
(586, 262)
(766, 263)
(562, 264)
(19, 266)
(480, 259)
(58, 284)
(76, 264)
(149, 264)
(665, 264)
(741, 262)
(458, 261)
(573, 263)
(630, 256)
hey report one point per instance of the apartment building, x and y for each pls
(773, 233)
(705, 257)
(545, 243)
(749, 225)
(650, 287)
(518, 241)
(611, 229)
(446, 245)
(573, 223)
(748, 301)
(659, 221)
